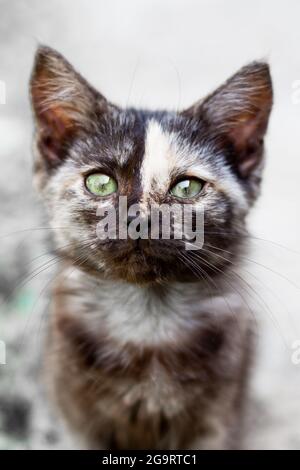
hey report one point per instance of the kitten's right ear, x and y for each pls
(64, 104)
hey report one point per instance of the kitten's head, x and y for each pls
(90, 152)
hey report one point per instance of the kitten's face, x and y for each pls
(208, 156)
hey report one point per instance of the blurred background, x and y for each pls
(154, 53)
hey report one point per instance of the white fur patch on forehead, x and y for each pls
(159, 158)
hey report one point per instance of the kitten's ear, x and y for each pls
(238, 112)
(64, 104)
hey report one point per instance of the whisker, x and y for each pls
(218, 289)
(256, 279)
(258, 264)
(262, 301)
(20, 345)
(35, 272)
(221, 232)
(32, 229)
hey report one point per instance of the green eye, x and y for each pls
(187, 188)
(100, 184)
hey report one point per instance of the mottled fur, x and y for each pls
(149, 344)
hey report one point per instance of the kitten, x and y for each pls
(149, 343)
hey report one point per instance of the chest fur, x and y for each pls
(143, 362)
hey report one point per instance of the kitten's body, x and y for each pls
(149, 343)
(153, 367)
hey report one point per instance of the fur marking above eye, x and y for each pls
(158, 159)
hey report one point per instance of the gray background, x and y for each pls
(151, 53)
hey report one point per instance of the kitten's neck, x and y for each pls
(144, 314)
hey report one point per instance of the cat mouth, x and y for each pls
(139, 264)
(143, 262)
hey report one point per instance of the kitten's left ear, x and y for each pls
(238, 112)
